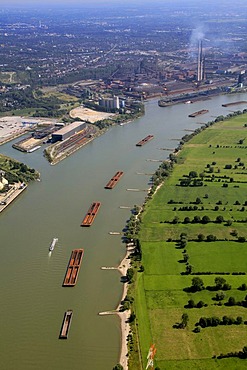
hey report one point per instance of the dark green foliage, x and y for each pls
(118, 367)
(130, 274)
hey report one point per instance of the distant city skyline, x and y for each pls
(101, 2)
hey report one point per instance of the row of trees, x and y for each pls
(201, 220)
(205, 322)
(197, 285)
(240, 354)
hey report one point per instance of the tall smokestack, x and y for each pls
(200, 62)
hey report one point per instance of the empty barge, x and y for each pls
(66, 324)
(234, 103)
(198, 113)
(91, 214)
(114, 180)
(73, 267)
(145, 140)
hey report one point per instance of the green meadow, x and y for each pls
(195, 227)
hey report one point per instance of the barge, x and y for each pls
(66, 324)
(145, 140)
(114, 180)
(73, 267)
(91, 214)
(198, 113)
(234, 103)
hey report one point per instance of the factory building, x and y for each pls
(109, 103)
(67, 131)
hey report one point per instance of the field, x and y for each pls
(194, 227)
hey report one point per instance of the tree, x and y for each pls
(186, 220)
(211, 238)
(175, 220)
(205, 219)
(118, 367)
(241, 239)
(185, 319)
(198, 200)
(239, 320)
(196, 219)
(191, 303)
(193, 174)
(197, 284)
(201, 237)
(219, 296)
(130, 274)
(219, 282)
(243, 287)
(132, 317)
(200, 304)
(186, 257)
(231, 301)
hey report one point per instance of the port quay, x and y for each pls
(33, 300)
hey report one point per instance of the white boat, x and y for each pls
(53, 243)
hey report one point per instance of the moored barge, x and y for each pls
(66, 324)
(114, 180)
(145, 140)
(198, 113)
(234, 103)
(73, 267)
(91, 214)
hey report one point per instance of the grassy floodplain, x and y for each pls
(178, 246)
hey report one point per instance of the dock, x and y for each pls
(73, 268)
(198, 113)
(114, 180)
(66, 324)
(145, 140)
(91, 214)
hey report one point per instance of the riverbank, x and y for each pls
(11, 195)
(123, 315)
(169, 234)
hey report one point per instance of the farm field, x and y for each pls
(194, 251)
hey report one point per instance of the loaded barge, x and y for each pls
(145, 140)
(114, 180)
(91, 214)
(198, 113)
(73, 267)
(66, 324)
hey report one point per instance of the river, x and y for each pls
(33, 300)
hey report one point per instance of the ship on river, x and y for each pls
(91, 214)
(145, 140)
(198, 113)
(114, 180)
(66, 324)
(53, 243)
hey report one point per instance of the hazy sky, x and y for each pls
(37, 3)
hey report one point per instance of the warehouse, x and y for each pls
(69, 130)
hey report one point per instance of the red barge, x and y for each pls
(198, 113)
(66, 324)
(114, 180)
(145, 140)
(91, 214)
(73, 267)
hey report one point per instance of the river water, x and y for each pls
(33, 300)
